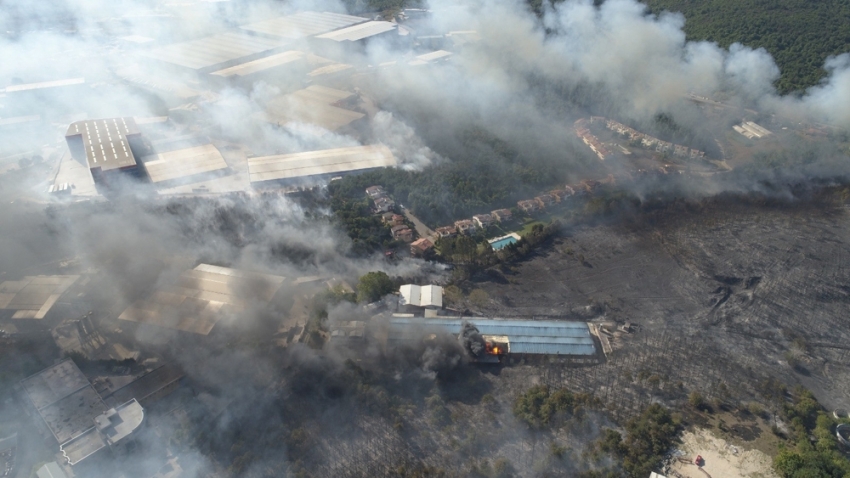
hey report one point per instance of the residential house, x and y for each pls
(387, 217)
(421, 247)
(465, 226)
(384, 204)
(545, 200)
(375, 192)
(483, 220)
(528, 206)
(502, 215)
(447, 231)
(559, 194)
(402, 232)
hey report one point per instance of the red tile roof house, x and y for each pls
(545, 200)
(483, 220)
(465, 226)
(421, 247)
(402, 232)
(375, 192)
(528, 206)
(502, 215)
(447, 231)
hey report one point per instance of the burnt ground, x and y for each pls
(724, 296)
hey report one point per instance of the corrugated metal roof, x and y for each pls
(45, 84)
(311, 105)
(183, 163)
(105, 141)
(303, 24)
(33, 296)
(215, 51)
(262, 64)
(359, 32)
(314, 163)
(201, 296)
(526, 336)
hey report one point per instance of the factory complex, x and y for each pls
(83, 420)
(224, 98)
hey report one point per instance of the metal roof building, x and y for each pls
(421, 296)
(313, 105)
(104, 142)
(44, 85)
(109, 429)
(263, 64)
(302, 24)
(547, 337)
(33, 296)
(216, 52)
(359, 32)
(183, 163)
(202, 296)
(316, 164)
(64, 399)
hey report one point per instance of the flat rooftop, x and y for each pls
(316, 163)
(33, 296)
(549, 337)
(262, 64)
(65, 399)
(146, 385)
(45, 85)
(106, 141)
(216, 52)
(359, 32)
(184, 163)
(312, 105)
(303, 24)
(202, 296)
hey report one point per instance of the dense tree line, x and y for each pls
(800, 34)
(491, 175)
(815, 452)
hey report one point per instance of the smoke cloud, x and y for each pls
(522, 78)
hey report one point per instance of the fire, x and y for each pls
(495, 348)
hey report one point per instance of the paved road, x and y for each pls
(421, 228)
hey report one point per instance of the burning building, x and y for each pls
(490, 340)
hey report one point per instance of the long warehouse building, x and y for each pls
(318, 165)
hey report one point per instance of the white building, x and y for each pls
(429, 297)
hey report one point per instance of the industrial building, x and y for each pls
(317, 105)
(317, 165)
(202, 296)
(280, 66)
(184, 164)
(26, 99)
(421, 296)
(343, 43)
(106, 145)
(84, 421)
(112, 429)
(752, 130)
(216, 52)
(302, 24)
(521, 337)
(33, 296)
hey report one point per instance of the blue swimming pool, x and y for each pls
(503, 243)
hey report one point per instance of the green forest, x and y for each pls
(800, 34)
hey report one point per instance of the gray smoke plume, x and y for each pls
(471, 339)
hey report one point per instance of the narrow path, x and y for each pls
(421, 228)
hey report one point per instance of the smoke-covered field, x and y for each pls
(734, 277)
